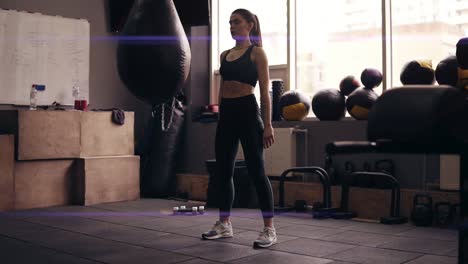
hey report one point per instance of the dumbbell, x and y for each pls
(318, 209)
(301, 206)
(184, 210)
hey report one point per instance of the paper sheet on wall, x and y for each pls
(47, 50)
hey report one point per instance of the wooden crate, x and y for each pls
(68, 134)
(43, 183)
(106, 179)
(48, 134)
(7, 183)
(101, 137)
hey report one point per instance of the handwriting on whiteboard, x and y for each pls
(49, 50)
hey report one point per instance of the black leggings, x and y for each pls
(240, 120)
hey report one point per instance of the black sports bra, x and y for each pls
(241, 70)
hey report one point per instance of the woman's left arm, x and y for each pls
(261, 61)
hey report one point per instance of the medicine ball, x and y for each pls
(417, 72)
(447, 71)
(294, 105)
(462, 53)
(371, 78)
(360, 102)
(348, 84)
(462, 59)
(329, 104)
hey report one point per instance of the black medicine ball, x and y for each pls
(462, 53)
(348, 84)
(360, 102)
(417, 72)
(447, 71)
(371, 78)
(329, 104)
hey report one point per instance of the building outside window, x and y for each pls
(335, 39)
(332, 39)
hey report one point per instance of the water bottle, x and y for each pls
(75, 92)
(33, 98)
(80, 102)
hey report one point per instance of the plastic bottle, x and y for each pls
(78, 102)
(33, 98)
(75, 94)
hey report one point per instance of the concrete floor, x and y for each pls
(145, 231)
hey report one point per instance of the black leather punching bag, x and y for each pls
(158, 153)
(153, 60)
(153, 55)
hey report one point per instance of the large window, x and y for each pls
(335, 39)
(272, 15)
(324, 41)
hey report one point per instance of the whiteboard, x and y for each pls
(46, 50)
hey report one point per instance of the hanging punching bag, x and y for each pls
(153, 60)
(153, 55)
(159, 150)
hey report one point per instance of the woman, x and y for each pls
(240, 119)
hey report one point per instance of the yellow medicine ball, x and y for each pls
(294, 106)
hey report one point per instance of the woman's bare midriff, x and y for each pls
(233, 89)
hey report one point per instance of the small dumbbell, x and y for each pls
(193, 210)
(201, 209)
(198, 210)
(181, 210)
(301, 206)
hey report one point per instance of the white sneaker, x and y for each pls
(219, 230)
(266, 238)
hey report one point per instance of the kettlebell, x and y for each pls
(456, 214)
(443, 213)
(422, 213)
(300, 205)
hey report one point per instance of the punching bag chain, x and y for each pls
(163, 119)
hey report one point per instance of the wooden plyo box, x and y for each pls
(101, 137)
(43, 183)
(7, 180)
(106, 179)
(67, 134)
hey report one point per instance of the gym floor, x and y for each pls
(145, 231)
